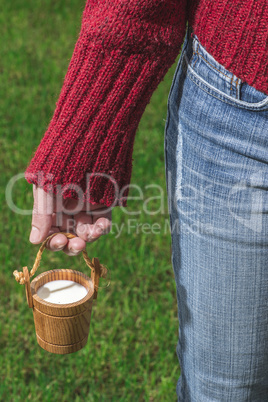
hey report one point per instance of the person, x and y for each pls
(216, 162)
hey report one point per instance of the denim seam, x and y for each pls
(195, 62)
(221, 96)
(212, 65)
(236, 92)
(210, 93)
(194, 53)
(173, 83)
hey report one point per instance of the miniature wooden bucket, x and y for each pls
(61, 328)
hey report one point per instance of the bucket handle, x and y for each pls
(97, 270)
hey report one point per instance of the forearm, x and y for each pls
(123, 51)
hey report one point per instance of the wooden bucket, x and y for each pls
(61, 328)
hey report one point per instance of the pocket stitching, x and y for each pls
(259, 106)
(214, 68)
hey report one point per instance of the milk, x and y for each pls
(62, 292)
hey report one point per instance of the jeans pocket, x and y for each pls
(213, 78)
(251, 95)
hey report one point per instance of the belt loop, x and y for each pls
(194, 45)
(194, 42)
(238, 84)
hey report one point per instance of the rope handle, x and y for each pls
(20, 276)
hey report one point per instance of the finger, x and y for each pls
(84, 225)
(104, 223)
(60, 241)
(103, 219)
(57, 242)
(54, 228)
(90, 227)
(85, 228)
(74, 246)
(42, 215)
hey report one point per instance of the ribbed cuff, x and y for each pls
(109, 82)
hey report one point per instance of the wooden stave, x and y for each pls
(62, 331)
(60, 349)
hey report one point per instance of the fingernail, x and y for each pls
(35, 235)
(59, 246)
(74, 251)
(97, 232)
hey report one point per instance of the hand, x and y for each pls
(49, 218)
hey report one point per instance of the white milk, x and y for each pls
(62, 292)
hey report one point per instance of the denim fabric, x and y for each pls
(216, 155)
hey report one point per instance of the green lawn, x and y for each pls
(130, 355)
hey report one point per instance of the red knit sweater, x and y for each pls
(124, 50)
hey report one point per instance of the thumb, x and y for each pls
(42, 215)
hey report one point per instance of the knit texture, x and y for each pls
(124, 50)
(235, 33)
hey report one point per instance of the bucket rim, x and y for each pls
(38, 300)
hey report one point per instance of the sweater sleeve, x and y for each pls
(123, 51)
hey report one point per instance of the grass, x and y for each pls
(130, 354)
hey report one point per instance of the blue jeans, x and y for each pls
(216, 155)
